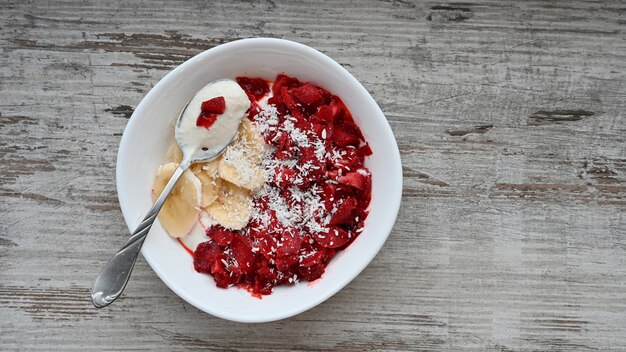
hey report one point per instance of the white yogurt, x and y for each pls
(192, 138)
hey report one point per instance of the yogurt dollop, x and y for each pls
(192, 138)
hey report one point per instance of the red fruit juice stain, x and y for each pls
(185, 247)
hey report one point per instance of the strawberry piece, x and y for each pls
(253, 110)
(284, 81)
(364, 150)
(288, 245)
(311, 273)
(206, 120)
(221, 278)
(265, 242)
(285, 147)
(324, 115)
(328, 195)
(350, 160)
(309, 95)
(277, 100)
(205, 255)
(289, 101)
(332, 174)
(220, 235)
(256, 88)
(261, 286)
(283, 263)
(354, 179)
(216, 105)
(343, 215)
(265, 271)
(311, 258)
(209, 111)
(367, 190)
(335, 237)
(310, 253)
(349, 121)
(284, 177)
(324, 132)
(337, 108)
(301, 123)
(343, 138)
(241, 248)
(317, 167)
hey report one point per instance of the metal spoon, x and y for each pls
(113, 278)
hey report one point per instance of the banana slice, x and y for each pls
(180, 211)
(241, 172)
(210, 167)
(233, 207)
(208, 175)
(252, 140)
(241, 162)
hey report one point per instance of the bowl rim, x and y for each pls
(394, 186)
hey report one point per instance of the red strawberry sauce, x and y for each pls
(315, 201)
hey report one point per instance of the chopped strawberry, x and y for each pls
(350, 160)
(337, 108)
(344, 212)
(342, 137)
(285, 147)
(367, 189)
(289, 101)
(205, 255)
(324, 115)
(277, 101)
(283, 80)
(311, 258)
(265, 242)
(215, 105)
(364, 150)
(241, 248)
(255, 87)
(289, 244)
(354, 179)
(309, 95)
(221, 277)
(324, 132)
(311, 273)
(317, 167)
(301, 123)
(206, 120)
(283, 263)
(220, 235)
(265, 270)
(333, 238)
(253, 110)
(284, 177)
(328, 195)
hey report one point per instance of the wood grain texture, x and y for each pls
(510, 121)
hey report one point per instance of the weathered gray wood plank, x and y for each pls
(509, 117)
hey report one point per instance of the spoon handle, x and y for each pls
(113, 278)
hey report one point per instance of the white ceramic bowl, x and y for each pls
(149, 133)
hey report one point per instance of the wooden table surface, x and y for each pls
(510, 118)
